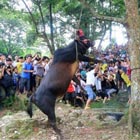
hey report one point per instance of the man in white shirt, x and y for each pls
(90, 82)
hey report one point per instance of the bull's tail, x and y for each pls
(29, 107)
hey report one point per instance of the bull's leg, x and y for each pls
(47, 105)
(51, 116)
(50, 112)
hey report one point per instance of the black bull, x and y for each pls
(55, 83)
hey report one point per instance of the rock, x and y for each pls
(53, 137)
(106, 137)
(80, 124)
(111, 116)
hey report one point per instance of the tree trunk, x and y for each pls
(133, 28)
(51, 27)
(99, 48)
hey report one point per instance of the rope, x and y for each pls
(135, 69)
(78, 25)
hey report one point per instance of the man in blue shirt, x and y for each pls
(27, 69)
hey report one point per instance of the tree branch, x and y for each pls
(41, 14)
(51, 47)
(43, 34)
(31, 16)
(102, 37)
(101, 17)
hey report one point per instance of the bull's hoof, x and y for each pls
(58, 132)
(56, 129)
(54, 126)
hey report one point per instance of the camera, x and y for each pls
(95, 74)
(1, 64)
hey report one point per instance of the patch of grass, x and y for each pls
(20, 129)
(9, 101)
(15, 103)
(20, 103)
(97, 105)
(118, 101)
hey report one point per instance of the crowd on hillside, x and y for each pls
(109, 76)
(97, 81)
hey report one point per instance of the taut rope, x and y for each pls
(78, 25)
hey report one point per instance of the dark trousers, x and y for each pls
(24, 83)
(69, 96)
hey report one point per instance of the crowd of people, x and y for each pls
(101, 80)
(98, 81)
(23, 73)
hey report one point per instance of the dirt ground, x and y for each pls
(74, 123)
(85, 126)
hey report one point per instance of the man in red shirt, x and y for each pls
(69, 97)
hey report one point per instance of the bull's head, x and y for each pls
(83, 39)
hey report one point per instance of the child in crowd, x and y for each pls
(16, 77)
(19, 64)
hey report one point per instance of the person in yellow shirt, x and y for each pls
(127, 81)
(19, 64)
(125, 77)
(104, 67)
